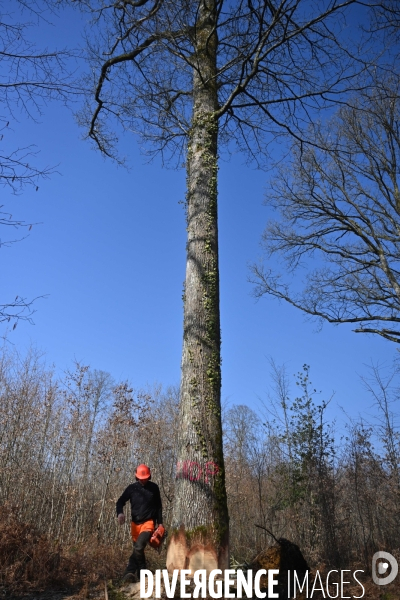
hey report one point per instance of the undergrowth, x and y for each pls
(30, 560)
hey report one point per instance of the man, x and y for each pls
(146, 510)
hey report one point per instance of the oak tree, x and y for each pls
(192, 77)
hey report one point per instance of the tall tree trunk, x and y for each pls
(200, 514)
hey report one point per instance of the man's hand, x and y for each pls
(121, 518)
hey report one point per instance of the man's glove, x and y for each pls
(121, 518)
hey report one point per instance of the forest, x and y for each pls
(305, 91)
(68, 447)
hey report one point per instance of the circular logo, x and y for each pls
(380, 568)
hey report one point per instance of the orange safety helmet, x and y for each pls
(143, 473)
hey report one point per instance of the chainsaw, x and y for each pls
(158, 538)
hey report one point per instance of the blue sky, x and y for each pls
(109, 253)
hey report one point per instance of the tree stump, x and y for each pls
(285, 556)
(192, 552)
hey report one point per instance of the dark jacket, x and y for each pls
(145, 502)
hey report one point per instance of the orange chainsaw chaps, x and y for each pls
(158, 537)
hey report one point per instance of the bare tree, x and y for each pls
(190, 77)
(340, 205)
(386, 18)
(30, 77)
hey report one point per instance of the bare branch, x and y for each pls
(30, 77)
(341, 204)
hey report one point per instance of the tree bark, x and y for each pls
(200, 516)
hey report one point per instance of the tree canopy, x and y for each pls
(275, 65)
(339, 206)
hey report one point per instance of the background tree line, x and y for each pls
(68, 448)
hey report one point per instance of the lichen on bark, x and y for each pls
(199, 504)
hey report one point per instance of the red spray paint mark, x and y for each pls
(194, 471)
(211, 470)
